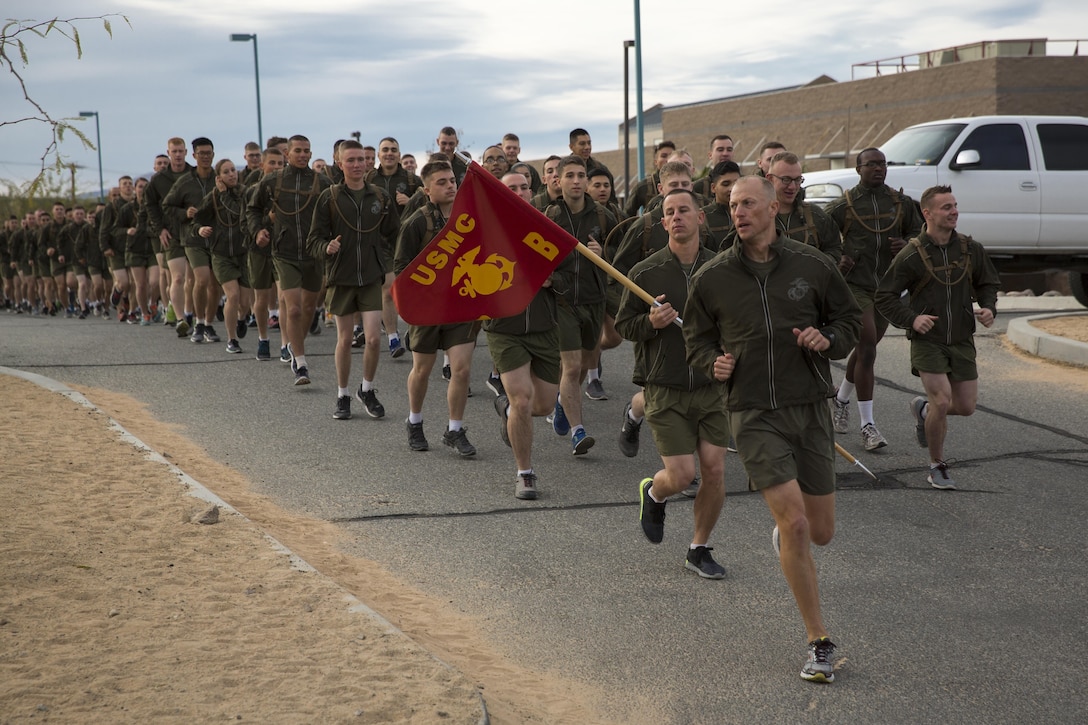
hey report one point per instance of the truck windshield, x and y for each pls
(923, 146)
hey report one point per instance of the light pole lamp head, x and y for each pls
(242, 37)
(628, 44)
(88, 114)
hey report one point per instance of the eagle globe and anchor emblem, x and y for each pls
(494, 274)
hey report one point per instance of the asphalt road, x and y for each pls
(964, 606)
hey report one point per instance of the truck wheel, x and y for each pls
(1078, 282)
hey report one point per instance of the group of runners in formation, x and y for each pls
(757, 290)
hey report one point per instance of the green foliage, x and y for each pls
(11, 37)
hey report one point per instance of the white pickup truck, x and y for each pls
(1021, 183)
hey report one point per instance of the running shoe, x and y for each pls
(198, 334)
(369, 399)
(240, 329)
(595, 390)
(171, 318)
(629, 434)
(501, 403)
(182, 328)
(343, 408)
(396, 349)
(115, 297)
(840, 415)
(447, 373)
(702, 563)
(692, 490)
(650, 513)
(358, 338)
(458, 441)
(302, 376)
(939, 477)
(416, 440)
(233, 347)
(917, 405)
(525, 487)
(209, 334)
(264, 352)
(285, 355)
(560, 424)
(274, 322)
(871, 438)
(581, 442)
(219, 311)
(145, 321)
(494, 384)
(315, 323)
(818, 668)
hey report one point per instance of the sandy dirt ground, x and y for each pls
(1075, 327)
(116, 607)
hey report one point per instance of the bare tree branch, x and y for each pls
(11, 36)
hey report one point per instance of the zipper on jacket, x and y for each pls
(762, 284)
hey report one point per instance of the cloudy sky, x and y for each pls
(330, 67)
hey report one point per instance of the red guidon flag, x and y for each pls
(489, 260)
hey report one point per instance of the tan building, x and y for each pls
(828, 122)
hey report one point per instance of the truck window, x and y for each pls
(1065, 146)
(921, 146)
(1000, 146)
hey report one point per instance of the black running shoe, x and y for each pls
(240, 329)
(370, 402)
(302, 375)
(233, 347)
(494, 384)
(358, 338)
(458, 441)
(416, 440)
(629, 434)
(343, 408)
(650, 513)
(198, 334)
(209, 334)
(702, 563)
(315, 324)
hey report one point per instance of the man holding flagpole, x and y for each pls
(525, 352)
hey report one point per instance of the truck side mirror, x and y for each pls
(965, 159)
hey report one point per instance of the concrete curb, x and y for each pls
(1033, 340)
(197, 490)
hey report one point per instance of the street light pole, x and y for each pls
(245, 38)
(627, 44)
(98, 143)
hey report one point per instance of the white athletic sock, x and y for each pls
(415, 418)
(274, 312)
(846, 389)
(592, 375)
(300, 361)
(522, 473)
(262, 339)
(455, 425)
(445, 360)
(394, 337)
(200, 320)
(367, 385)
(865, 409)
(344, 392)
(631, 415)
(655, 498)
